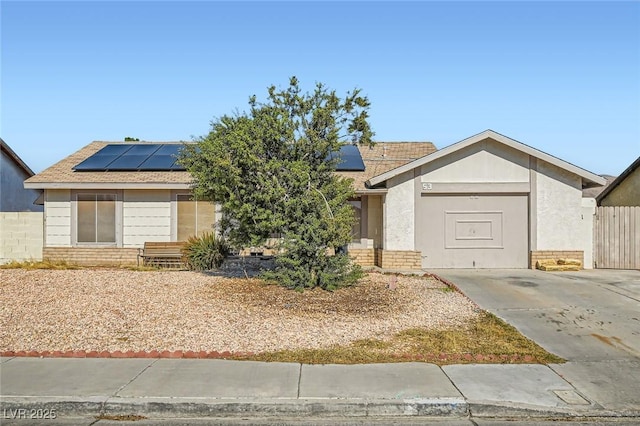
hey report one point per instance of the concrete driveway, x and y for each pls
(591, 318)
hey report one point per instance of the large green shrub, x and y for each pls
(206, 252)
(272, 171)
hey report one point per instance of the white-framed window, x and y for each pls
(96, 218)
(193, 217)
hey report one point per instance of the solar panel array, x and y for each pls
(133, 157)
(163, 157)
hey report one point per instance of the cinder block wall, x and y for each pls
(21, 236)
(535, 256)
(92, 256)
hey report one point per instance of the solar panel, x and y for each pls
(96, 162)
(349, 159)
(158, 162)
(169, 149)
(176, 166)
(113, 149)
(123, 157)
(127, 162)
(143, 149)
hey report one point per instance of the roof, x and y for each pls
(378, 159)
(589, 179)
(62, 175)
(595, 191)
(11, 153)
(618, 180)
(385, 156)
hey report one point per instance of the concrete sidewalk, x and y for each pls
(162, 388)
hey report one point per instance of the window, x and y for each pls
(194, 217)
(356, 233)
(96, 218)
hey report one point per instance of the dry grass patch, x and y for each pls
(487, 339)
(40, 264)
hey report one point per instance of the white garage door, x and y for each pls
(473, 231)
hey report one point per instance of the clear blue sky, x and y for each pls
(561, 77)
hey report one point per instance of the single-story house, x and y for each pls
(624, 190)
(485, 202)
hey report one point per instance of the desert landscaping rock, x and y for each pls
(97, 310)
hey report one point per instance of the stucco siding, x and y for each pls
(485, 162)
(57, 217)
(146, 217)
(586, 230)
(399, 213)
(559, 209)
(627, 193)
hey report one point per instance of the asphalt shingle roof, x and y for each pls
(382, 157)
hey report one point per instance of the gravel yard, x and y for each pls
(116, 309)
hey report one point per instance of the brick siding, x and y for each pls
(92, 256)
(398, 259)
(363, 257)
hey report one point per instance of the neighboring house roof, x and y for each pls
(589, 179)
(7, 150)
(380, 158)
(595, 191)
(618, 180)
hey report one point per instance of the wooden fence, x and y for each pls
(617, 237)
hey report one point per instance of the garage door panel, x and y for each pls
(473, 231)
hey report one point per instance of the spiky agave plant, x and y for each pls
(206, 251)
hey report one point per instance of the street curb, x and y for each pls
(206, 407)
(515, 410)
(456, 358)
(179, 354)
(180, 408)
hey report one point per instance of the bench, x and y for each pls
(162, 254)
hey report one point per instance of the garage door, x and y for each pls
(473, 231)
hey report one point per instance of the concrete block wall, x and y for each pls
(21, 236)
(537, 255)
(92, 256)
(398, 259)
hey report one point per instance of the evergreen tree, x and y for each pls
(272, 171)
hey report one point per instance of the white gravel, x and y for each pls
(115, 309)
